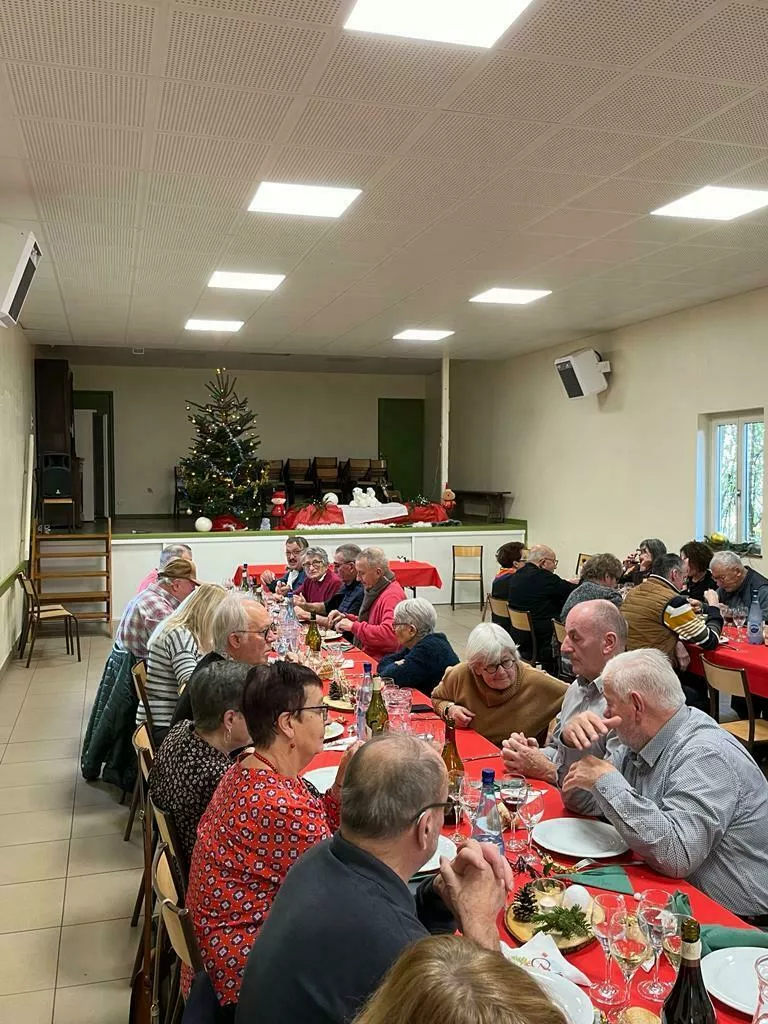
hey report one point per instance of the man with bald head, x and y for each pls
(345, 912)
(536, 589)
(595, 631)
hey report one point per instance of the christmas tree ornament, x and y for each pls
(203, 524)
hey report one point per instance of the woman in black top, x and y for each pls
(638, 566)
(696, 557)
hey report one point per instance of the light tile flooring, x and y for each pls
(67, 880)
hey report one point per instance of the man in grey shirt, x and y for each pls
(595, 631)
(682, 792)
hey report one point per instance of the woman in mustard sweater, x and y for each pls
(495, 692)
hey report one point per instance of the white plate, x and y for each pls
(333, 730)
(575, 1005)
(730, 975)
(331, 634)
(579, 837)
(322, 778)
(445, 848)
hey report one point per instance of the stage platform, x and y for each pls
(217, 555)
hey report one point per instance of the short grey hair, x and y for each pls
(174, 551)
(489, 643)
(538, 553)
(416, 612)
(320, 553)
(598, 567)
(215, 689)
(349, 552)
(605, 617)
(388, 782)
(375, 557)
(646, 671)
(726, 560)
(229, 617)
(665, 565)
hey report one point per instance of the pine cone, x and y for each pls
(524, 903)
(335, 691)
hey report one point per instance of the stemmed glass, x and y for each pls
(740, 614)
(531, 811)
(513, 792)
(469, 798)
(456, 781)
(604, 906)
(628, 944)
(655, 921)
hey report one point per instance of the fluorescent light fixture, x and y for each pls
(467, 22)
(510, 296)
(415, 334)
(227, 326)
(245, 282)
(303, 200)
(715, 203)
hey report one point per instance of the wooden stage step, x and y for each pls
(73, 536)
(74, 575)
(70, 554)
(75, 595)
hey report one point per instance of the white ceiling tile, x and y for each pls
(220, 112)
(364, 241)
(590, 152)
(419, 188)
(199, 190)
(693, 163)
(330, 124)
(731, 45)
(665, 230)
(579, 223)
(262, 235)
(81, 144)
(75, 211)
(69, 94)
(470, 138)
(192, 228)
(607, 249)
(326, 167)
(318, 11)
(216, 158)
(747, 123)
(54, 180)
(626, 194)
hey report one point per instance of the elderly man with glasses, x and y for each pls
(536, 589)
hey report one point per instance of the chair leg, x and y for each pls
(138, 904)
(32, 639)
(132, 812)
(482, 593)
(67, 637)
(453, 595)
(76, 624)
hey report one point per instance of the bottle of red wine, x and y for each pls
(688, 1002)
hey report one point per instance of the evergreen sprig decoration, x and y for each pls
(222, 473)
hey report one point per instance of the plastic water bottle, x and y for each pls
(755, 621)
(486, 826)
(364, 693)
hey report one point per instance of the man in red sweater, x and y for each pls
(372, 629)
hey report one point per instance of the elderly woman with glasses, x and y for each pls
(320, 581)
(494, 690)
(424, 655)
(260, 820)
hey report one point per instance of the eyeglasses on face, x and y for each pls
(445, 805)
(323, 709)
(505, 663)
(271, 628)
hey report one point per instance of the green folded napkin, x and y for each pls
(718, 936)
(612, 878)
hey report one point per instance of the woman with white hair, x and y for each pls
(424, 655)
(495, 692)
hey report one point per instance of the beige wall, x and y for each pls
(299, 415)
(16, 409)
(601, 473)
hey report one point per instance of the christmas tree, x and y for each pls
(222, 473)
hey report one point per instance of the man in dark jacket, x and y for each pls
(536, 589)
(345, 913)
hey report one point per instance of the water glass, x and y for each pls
(604, 906)
(431, 730)
(761, 1012)
(398, 701)
(531, 811)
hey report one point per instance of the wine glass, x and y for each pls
(628, 943)
(604, 906)
(531, 811)
(656, 923)
(672, 943)
(513, 792)
(740, 614)
(471, 791)
(455, 788)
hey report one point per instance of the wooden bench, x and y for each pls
(493, 499)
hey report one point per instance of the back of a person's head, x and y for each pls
(510, 553)
(215, 689)
(388, 782)
(446, 979)
(271, 690)
(598, 567)
(665, 565)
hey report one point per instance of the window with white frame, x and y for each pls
(737, 455)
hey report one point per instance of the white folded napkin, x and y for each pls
(542, 954)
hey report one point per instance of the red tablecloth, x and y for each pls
(407, 574)
(737, 654)
(478, 753)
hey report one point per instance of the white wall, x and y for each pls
(600, 474)
(299, 415)
(433, 485)
(16, 408)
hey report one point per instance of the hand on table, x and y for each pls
(586, 728)
(460, 716)
(522, 755)
(267, 578)
(585, 773)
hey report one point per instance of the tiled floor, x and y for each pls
(67, 880)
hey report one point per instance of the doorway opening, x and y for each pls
(95, 445)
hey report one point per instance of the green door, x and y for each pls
(401, 443)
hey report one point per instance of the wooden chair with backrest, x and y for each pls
(474, 551)
(521, 621)
(749, 730)
(558, 636)
(35, 615)
(497, 606)
(139, 673)
(325, 472)
(177, 924)
(296, 478)
(145, 755)
(169, 835)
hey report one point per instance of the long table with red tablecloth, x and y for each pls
(407, 574)
(478, 753)
(737, 653)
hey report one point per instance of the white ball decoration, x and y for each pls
(330, 499)
(203, 524)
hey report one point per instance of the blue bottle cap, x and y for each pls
(488, 776)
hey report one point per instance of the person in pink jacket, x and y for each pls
(372, 629)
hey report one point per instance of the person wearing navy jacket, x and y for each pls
(424, 655)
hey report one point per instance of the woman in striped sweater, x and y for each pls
(174, 650)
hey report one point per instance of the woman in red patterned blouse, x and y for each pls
(260, 820)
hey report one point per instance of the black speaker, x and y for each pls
(55, 475)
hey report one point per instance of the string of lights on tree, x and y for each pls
(222, 473)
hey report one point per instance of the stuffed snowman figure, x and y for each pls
(358, 498)
(371, 496)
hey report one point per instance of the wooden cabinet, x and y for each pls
(54, 415)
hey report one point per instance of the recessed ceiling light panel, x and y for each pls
(302, 200)
(245, 282)
(225, 326)
(713, 202)
(511, 296)
(416, 334)
(467, 22)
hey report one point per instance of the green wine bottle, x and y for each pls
(689, 1002)
(455, 768)
(314, 640)
(376, 717)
